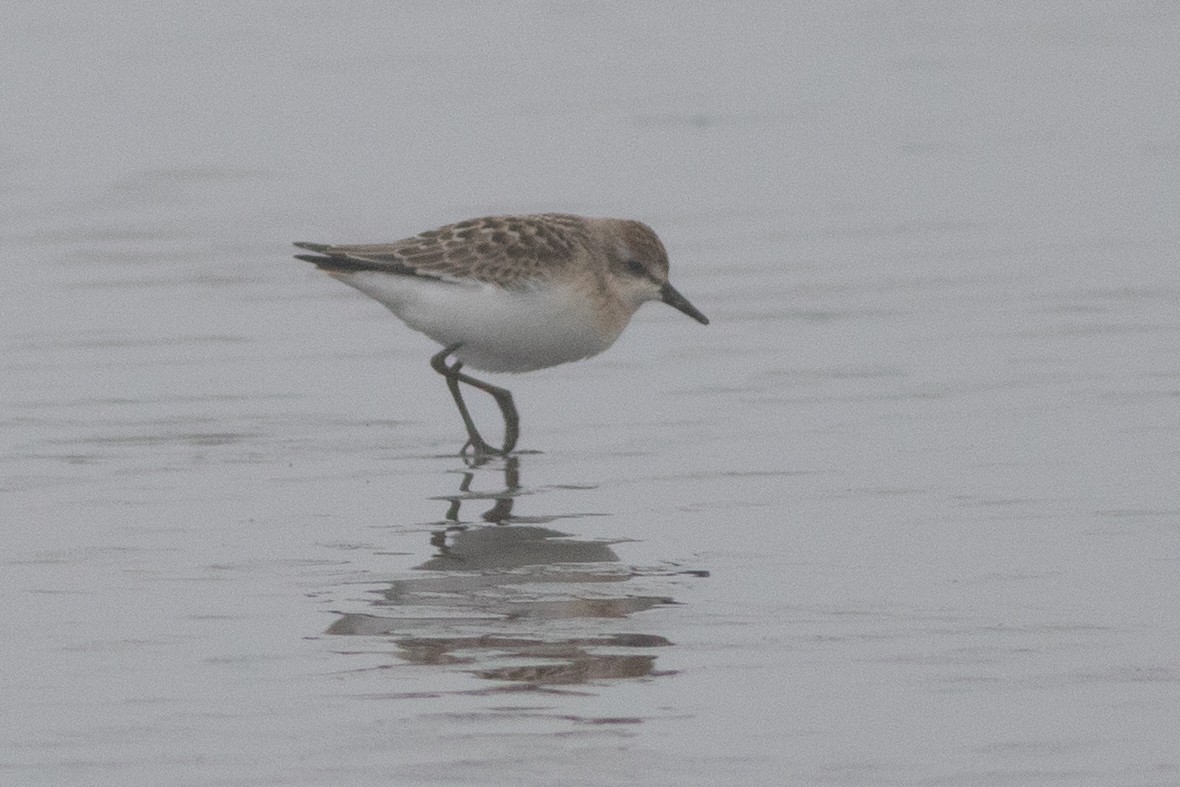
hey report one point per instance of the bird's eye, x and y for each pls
(635, 268)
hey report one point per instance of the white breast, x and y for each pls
(500, 330)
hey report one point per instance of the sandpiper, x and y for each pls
(511, 293)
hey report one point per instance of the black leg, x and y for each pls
(503, 398)
(438, 362)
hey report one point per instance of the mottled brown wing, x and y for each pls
(504, 250)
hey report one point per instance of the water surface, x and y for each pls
(906, 511)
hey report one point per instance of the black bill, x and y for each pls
(670, 296)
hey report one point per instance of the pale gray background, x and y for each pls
(927, 450)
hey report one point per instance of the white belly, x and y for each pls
(500, 330)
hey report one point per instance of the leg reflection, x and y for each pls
(505, 586)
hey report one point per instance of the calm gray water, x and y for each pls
(907, 512)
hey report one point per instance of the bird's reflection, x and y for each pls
(512, 600)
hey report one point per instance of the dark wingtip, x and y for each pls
(341, 262)
(325, 262)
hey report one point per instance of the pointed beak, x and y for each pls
(670, 296)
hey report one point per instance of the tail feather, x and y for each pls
(340, 264)
(318, 261)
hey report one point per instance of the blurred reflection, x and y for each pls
(512, 600)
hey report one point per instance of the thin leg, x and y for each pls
(439, 363)
(503, 398)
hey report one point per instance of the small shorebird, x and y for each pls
(511, 293)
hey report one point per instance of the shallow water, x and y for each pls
(907, 511)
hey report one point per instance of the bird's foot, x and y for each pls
(478, 448)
